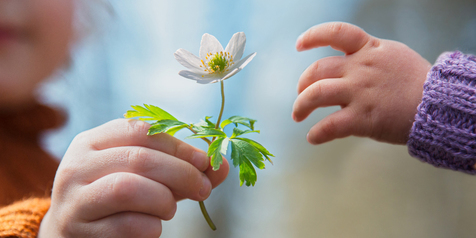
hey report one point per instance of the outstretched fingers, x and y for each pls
(341, 36)
(340, 124)
(329, 67)
(323, 93)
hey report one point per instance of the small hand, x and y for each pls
(378, 84)
(115, 181)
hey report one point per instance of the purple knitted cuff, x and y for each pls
(444, 131)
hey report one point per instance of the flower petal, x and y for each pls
(236, 46)
(233, 72)
(243, 62)
(207, 78)
(238, 66)
(189, 60)
(209, 44)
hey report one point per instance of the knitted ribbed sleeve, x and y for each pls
(444, 131)
(22, 219)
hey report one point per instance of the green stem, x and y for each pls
(207, 217)
(202, 205)
(222, 104)
(194, 132)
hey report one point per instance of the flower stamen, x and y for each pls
(217, 63)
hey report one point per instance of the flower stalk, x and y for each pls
(222, 104)
(207, 217)
(202, 205)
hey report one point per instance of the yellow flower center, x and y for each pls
(217, 63)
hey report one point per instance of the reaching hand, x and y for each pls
(378, 84)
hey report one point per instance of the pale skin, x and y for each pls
(114, 180)
(377, 83)
(34, 41)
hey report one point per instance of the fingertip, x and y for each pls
(298, 114)
(297, 118)
(224, 168)
(206, 188)
(218, 176)
(293, 117)
(299, 43)
(199, 160)
(311, 140)
(225, 165)
(171, 213)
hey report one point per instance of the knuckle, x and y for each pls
(174, 149)
(183, 150)
(138, 159)
(82, 139)
(315, 91)
(335, 28)
(122, 188)
(374, 42)
(65, 174)
(328, 128)
(315, 68)
(307, 34)
(71, 169)
(136, 127)
(364, 116)
(368, 119)
(130, 226)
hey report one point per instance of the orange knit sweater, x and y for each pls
(26, 171)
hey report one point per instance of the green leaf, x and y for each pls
(237, 132)
(245, 155)
(174, 130)
(214, 151)
(239, 120)
(224, 145)
(259, 147)
(209, 123)
(149, 113)
(247, 174)
(207, 132)
(167, 126)
(205, 124)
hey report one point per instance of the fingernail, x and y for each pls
(308, 140)
(206, 188)
(199, 160)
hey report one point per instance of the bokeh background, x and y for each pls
(351, 187)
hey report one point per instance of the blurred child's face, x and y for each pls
(34, 41)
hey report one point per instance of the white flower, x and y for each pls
(214, 64)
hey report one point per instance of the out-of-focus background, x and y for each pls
(351, 187)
